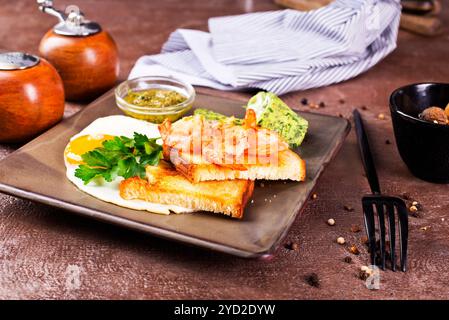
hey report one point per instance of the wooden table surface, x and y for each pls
(49, 253)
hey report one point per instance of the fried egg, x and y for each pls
(93, 136)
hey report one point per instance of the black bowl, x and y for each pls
(424, 146)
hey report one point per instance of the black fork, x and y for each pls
(385, 207)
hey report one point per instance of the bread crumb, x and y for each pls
(341, 240)
(331, 222)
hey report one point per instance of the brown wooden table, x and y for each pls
(49, 253)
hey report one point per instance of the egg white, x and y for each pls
(109, 191)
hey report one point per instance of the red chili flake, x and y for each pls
(354, 250)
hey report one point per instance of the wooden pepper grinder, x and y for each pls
(85, 56)
(31, 96)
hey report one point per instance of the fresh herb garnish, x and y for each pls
(120, 157)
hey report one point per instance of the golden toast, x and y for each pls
(289, 166)
(167, 186)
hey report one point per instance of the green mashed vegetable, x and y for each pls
(271, 113)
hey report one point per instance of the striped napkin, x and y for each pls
(280, 51)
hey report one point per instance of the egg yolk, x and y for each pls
(83, 144)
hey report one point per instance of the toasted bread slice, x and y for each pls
(206, 150)
(289, 166)
(167, 186)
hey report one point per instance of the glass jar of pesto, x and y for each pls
(155, 98)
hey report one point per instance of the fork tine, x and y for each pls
(403, 232)
(381, 219)
(368, 215)
(392, 235)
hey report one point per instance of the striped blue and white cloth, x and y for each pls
(280, 51)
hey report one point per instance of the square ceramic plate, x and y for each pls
(37, 172)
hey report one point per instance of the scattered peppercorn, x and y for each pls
(294, 246)
(387, 141)
(341, 101)
(365, 272)
(322, 104)
(347, 259)
(348, 208)
(417, 205)
(406, 196)
(354, 250)
(364, 240)
(363, 275)
(304, 101)
(355, 228)
(340, 115)
(341, 240)
(364, 268)
(331, 222)
(312, 279)
(364, 108)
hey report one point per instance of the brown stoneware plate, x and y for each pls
(37, 172)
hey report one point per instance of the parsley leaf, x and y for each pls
(121, 156)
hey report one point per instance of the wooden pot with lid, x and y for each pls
(85, 56)
(31, 96)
